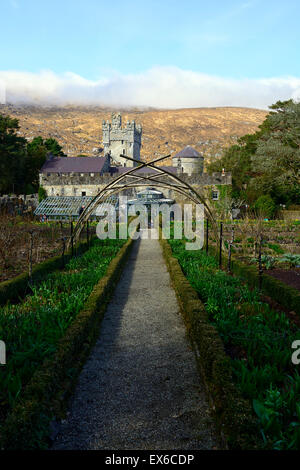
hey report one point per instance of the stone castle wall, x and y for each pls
(76, 184)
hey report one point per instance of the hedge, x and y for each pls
(234, 417)
(27, 426)
(17, 288)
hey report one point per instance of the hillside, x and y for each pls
(79, 131)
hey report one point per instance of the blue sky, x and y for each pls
(114, 40)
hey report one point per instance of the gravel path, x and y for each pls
(140, 388)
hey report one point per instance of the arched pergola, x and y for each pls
(162, 178)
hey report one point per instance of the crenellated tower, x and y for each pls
(121, 141)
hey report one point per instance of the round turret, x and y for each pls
(189, 161)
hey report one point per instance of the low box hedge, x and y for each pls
(234, 417)
(27, 426)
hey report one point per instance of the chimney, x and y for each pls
(179, 168)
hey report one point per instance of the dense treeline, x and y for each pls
(265, 166)
(20, 160)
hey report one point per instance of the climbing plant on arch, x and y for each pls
(134, 178)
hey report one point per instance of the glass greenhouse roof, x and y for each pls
(65, 207)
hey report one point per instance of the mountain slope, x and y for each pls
(79, 129)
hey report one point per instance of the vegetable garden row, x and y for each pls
(33, 328)
(258, 341)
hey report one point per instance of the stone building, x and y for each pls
(122, 141)
(189, 161)
(86, 176)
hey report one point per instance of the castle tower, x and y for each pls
(121, 141)
(189, 161)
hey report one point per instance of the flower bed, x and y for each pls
(37, 329)
(258, 342)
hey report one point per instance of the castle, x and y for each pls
(118, 141)
(86, 176)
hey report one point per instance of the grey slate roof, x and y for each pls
(90, 165)
(73, 164)
(188, 151)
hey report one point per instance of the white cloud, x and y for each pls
(165, 87)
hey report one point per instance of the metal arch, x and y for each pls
(112, 188)
(94, 202)
(183, 183)
(87, 212)
(176, 178)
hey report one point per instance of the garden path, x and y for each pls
(140, 388)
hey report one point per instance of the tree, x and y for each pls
(268, 161)
(53, 146)
(277, 158)
(35, 158)
(265, 206)
(37, 151)
(237, 160)
(12, 156)
(20, 161)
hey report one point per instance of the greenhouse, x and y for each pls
(68, 207)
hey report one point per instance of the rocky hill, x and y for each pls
(79, 131)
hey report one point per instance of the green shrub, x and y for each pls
(265, 206)
(291, 259)
(276, 248)
(268, 262)
(42, 193)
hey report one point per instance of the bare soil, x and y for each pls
(289, 276)
(47, 243)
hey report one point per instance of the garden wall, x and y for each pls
(290, 215)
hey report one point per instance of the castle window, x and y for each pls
(215, 195)
(48, 174)
(83, 193)
(123, 151)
